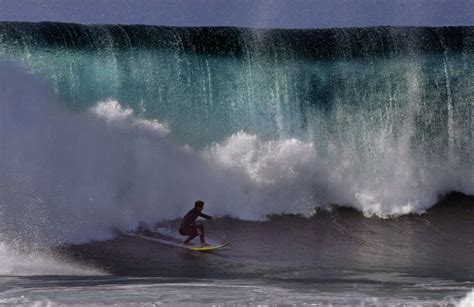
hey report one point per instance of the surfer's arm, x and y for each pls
(207, 217)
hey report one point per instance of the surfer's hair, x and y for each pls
(198, 203)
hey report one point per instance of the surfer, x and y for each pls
(190, 228)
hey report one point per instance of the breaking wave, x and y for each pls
(72, 177)
(102, 127)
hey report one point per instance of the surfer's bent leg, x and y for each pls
(200, 231)
(191, 233)
(190, 238)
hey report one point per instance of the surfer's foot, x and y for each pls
(204, 244)
(188, 244)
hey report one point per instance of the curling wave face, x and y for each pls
(72, 177)
(141, 121)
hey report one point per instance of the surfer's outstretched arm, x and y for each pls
(207, 217)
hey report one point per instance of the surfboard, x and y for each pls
(175, 244)
(208, 248)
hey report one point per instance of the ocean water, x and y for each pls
(339, 163)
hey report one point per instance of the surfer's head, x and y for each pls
(199, 204)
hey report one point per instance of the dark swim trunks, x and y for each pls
(188, 225)
(191, 230)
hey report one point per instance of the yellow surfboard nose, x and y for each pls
(209, 248)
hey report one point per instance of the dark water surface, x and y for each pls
(337, 257)
(438, 243)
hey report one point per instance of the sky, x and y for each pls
(245, 13)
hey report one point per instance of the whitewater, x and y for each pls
(107, 127)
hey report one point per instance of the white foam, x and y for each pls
(468, 300)
(264, 162)
(111, 110)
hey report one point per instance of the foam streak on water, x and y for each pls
(126, 291)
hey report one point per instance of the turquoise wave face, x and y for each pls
(328, 85)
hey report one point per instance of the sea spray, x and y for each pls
(27, 262)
